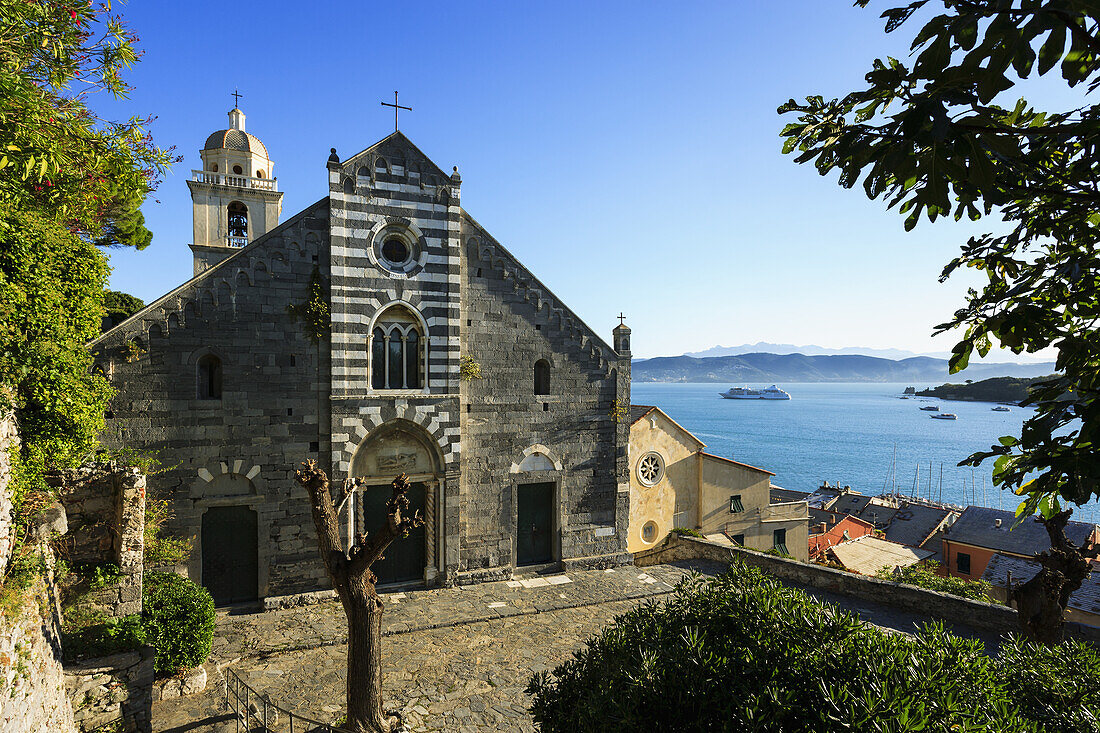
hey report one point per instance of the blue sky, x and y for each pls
(627, 153)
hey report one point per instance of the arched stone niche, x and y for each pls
(394, 449)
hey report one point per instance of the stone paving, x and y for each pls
(455, 659)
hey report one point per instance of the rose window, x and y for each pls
(651, 468)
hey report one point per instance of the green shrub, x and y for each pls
(178, 617)
(687, 531)
(744, 652)
(109, 637)
(923, 575)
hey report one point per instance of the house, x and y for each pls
(876, 510)
(981, 532)
(828, 529)
(868, 555)
(915, 524)
(674, 482)
(1005, 570)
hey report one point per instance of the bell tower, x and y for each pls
(235, 196)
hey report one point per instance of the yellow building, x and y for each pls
(675, 483)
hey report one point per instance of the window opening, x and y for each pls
(542, 377)
(210, 378)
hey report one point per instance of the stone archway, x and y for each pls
(395, 447)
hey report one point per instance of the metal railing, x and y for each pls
(257, 714)
(226, 179)
(233, 241)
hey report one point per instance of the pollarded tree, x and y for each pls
(935, 137)
(354, 582)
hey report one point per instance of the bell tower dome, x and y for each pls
(235, 197)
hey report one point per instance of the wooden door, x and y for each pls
(404, 559)
(535, 523)
(229, 554)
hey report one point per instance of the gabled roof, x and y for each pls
(211, 272)
(869, 554)
(914, 523)
(831, 519)
(864, 507)
(739, 464)
(978, 526)
(1086, 598)
(397, 144)
(650, 409)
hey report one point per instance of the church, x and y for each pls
(380, 330)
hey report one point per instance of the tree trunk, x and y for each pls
(354, 583)
(1041, 602)
(364, 688)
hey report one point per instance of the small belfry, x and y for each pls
(235, 196)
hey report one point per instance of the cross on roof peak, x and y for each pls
(396, 108)
(236, 98)
(622, 319)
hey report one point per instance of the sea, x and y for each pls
(859, 435)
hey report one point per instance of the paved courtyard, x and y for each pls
(455, 659)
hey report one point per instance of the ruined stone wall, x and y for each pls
(32, 686)
(511, 322)
(114, 688)
(9, 441)
(239, 451)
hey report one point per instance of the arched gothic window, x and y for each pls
(398, 351)
(542, 377)
(238, 219)
(210, 378)
(380, 164)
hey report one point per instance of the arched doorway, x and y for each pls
(393, 448)
(230, 567)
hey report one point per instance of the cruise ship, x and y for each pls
(747, 393)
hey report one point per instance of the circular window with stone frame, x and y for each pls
(651, 468)
(649, 532)
(396, 249)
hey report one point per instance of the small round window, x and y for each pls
(651, 469)
(395, 251)
(649, 532)
(238, 170)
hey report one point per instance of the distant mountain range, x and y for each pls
(764, 367)
(763, 347)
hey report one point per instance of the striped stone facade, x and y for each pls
(285, 399)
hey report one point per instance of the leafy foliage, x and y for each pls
(619, 411)
(69, 182)
(688, 531)
(313, 312)
(178, 617)
(744, 652)
(936, 137)
(119, 307)
(110, 636)
(468, 369)
(923, 575)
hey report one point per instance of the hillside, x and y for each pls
(755, 368)
(997, 389)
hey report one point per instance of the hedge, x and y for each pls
(178, 618)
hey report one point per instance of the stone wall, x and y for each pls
(108, 689)
(239, 452)
(105, 506)
(906, 597)
(9, 440)
(32, 686)
(512, 321)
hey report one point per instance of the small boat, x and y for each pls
(945, 416)
(1001, 408)
(931, 408)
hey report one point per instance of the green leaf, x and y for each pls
(1052, 49)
